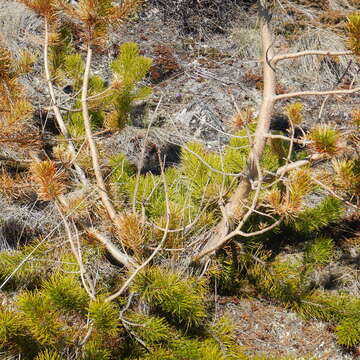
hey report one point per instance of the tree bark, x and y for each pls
(234, 209)
(90, 139)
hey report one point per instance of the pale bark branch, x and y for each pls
(286, 138)
(234, 209)
(316, 93)
(290, 56)
(118, 255)
(76, 253)
(90, 139)
(255, 233)
(333, 193)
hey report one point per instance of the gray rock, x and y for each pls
(202, 124)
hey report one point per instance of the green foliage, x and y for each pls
(203, 181)
(223, 331)
(49, 355)
(74, 68)
(65, 292)
(30, 272)
(188, 349)
(105, 317)
(313, 219)
(76, 121)
(151, 193)
(129, 65)
(159, 354)
(40, 317)
(10, 326)
(94, 350)
(225, 273)
(196, 350)
(110, 106)
(152, 329)
(181, 300)
(14, 336)
(129, 68)
(121, 169)
(341, 309)
(319, 251)
(59, 50)
(270, 160)
(348, 332)
(96, 85)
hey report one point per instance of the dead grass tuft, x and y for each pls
(314, 72)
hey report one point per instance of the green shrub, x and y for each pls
(65, 292)
(180, 299)
(105, 317)
(40, 317)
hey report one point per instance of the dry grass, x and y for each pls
(247, 38)
(313, 71)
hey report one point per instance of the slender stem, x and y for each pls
(333, 193)
(90, 139)
(267, 106)
(75, 252)
(316, 93)
(286, 138)
(142, 156)
(282, 57)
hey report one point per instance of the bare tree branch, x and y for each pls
(316, 93)
(282, 57)
(118, 255)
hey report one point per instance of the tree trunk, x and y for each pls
(234, 209)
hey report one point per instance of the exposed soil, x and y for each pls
(265, 329)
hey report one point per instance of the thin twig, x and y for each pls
(316, 93)
(142, 156)
(333, 193)
(74, 251)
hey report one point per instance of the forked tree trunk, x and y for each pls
(90, 139)
(234, 209)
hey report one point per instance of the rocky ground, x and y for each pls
(204, 70)
(267, 330)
